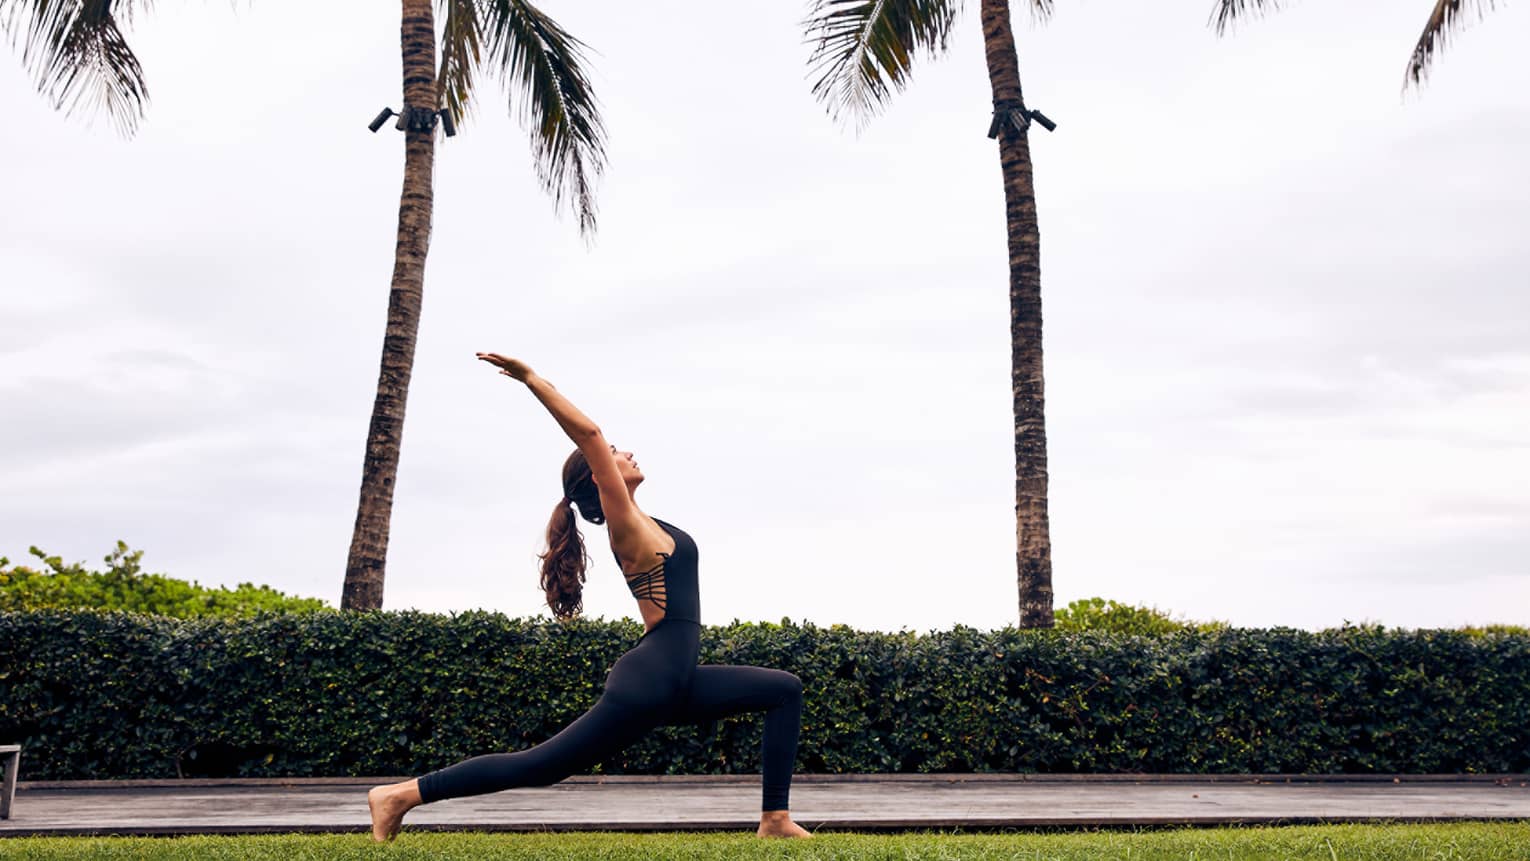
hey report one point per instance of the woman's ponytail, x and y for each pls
(564, 563)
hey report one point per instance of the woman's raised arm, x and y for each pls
(582, 430)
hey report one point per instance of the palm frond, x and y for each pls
(78, 56)
(1444, 21)
(1226, 12)
(549, 94)
(866, 48)
(461, 55)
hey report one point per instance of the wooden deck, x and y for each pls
(850, 802)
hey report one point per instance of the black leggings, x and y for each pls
(657, 683)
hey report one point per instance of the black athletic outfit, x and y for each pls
(657, 683)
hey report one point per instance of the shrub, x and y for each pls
(123, 586)
(1098, 614)
(1497, 631)
(101, 695)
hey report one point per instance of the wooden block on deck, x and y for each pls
(10, 760)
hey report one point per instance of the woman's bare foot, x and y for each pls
(388, 805)
(778, 823)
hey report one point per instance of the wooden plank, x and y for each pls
(841, 805)
(717, 779)
(10, 760)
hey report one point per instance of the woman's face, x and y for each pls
(626, 464)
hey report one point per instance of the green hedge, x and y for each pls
(100, 695)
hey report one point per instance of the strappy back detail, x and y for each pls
(649, 585)
(671, 584)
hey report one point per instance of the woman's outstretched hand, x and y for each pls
(513, 368)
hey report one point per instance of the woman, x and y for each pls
(655, 684)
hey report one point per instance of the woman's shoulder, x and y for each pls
(652, 540)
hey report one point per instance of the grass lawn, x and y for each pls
(1498, 841)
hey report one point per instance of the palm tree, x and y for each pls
(80, 57)
(1445, 20)
(515, 41)
(864, 51)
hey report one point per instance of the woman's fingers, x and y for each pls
(515, 369)
(512, 368)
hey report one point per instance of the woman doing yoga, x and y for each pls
(655, 684)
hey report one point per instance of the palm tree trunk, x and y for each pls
(369, 543)
(1033, 555)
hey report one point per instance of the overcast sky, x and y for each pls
(1287, 317)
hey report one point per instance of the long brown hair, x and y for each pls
(565, 561)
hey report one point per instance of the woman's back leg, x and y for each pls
(603, 730)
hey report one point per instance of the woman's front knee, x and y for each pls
(792, 685)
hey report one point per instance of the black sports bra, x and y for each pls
(671, 585)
